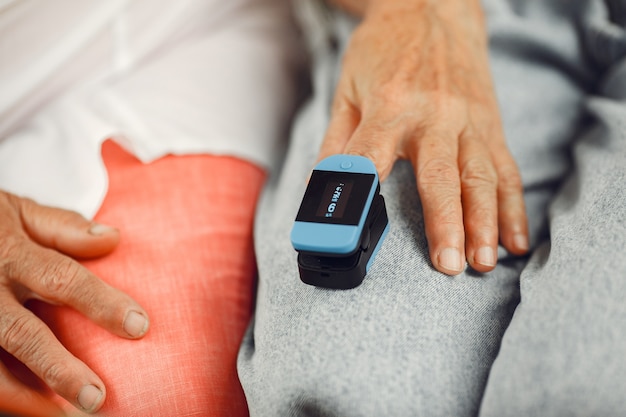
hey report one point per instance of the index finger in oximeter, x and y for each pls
(341, 223)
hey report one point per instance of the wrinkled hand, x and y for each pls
(416, 84)
(35, 245)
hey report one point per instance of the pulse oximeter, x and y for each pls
(341, 223)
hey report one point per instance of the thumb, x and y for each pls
(66, 231)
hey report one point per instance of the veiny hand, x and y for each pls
(34, 242)
(416, 84)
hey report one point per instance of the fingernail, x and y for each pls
(98, 229)
(135, 324)
(450, 259)
(485, 256)
(520, 241)
(89, 398)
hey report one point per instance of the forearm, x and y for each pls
(463, 19)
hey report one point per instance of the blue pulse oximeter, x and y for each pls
(341, 223)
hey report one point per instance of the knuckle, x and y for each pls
(483, 216)
(478, 173)
(341, 106)
(390, 94)
(56, 375)
(60, 278)
(11, 253)
(448, 102)
(445, 225)
(446, 112)
(22, 337)
(16, 334)
(509, 180)
(482, 224)
(436, 173)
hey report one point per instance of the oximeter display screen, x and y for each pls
(335, 197)
(334, 200)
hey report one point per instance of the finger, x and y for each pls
(439, 188)
(29, 340)
(377, 137)
(66, 231)
(18, 399)
(512, 219)
(479, 183)
(344, 120)
(61, 280)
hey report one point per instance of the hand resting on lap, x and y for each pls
(37, 244)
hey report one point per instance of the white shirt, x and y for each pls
(160, 77)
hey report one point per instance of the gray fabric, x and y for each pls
(564, 353)
(411, 341)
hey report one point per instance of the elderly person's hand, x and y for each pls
(36, 244)
(416, 84)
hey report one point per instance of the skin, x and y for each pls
(416, 85)
(17, 399)
(37, 244)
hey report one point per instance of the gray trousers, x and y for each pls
(543, 335)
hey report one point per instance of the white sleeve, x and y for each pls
(162, 78)
(228, 89)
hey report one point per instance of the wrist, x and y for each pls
(447, 7)
(356, 7)
(363, 7)
(464, 17)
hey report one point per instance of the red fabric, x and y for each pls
(186, 256)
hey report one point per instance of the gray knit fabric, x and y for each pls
(539, 336)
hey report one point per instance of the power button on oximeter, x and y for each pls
(341, 223)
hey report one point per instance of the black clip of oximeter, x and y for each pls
(341, 223)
